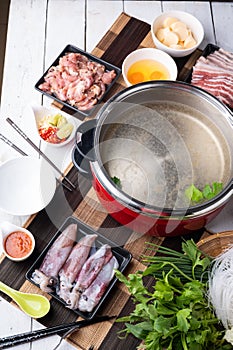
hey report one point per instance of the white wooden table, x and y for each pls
(38, 31)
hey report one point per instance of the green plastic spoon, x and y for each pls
(34, 305)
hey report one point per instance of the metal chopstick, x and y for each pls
(37, 149)
(11, 144)
(27, 337)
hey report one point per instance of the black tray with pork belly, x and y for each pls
(78, 267)
(213, 72)
(78, 80)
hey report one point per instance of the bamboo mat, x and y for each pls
(125, 35)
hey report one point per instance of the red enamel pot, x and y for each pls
(157, 139)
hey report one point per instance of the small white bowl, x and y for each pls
(27, 185)
(153, 54)
(191, 22)
(40, 112)
(7, 228)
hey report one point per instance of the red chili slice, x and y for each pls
(49, 134)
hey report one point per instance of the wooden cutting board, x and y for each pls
(125, 35)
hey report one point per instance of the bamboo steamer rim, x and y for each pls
(215, 244)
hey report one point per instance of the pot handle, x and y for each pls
(83, 152)
(85, 139)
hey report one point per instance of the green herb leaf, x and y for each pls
(193, 194)
(208, 192)
(176, 315)
(217, 187)
(163, 324)
(182, 320)
(137, 330)
(116, 181)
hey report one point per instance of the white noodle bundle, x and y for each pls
(220, 291)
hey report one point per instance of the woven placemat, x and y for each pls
(125, 35)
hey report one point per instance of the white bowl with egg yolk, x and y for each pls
(177, 33)
(148, 64)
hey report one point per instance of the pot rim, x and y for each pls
(133, 203)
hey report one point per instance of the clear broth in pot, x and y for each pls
(158, 150)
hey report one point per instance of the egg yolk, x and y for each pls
(136, 77)
(146, 70)
(156, 75)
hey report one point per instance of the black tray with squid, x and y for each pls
(121, 255)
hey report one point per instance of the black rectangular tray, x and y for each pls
(71, 48)
(122, 255)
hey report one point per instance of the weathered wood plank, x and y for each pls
(23, 62)
(65, 24)
(100, 16)
(18, 321)
(222, 18)
(143, 10)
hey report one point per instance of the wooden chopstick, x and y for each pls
(38, 150)
(12, 145)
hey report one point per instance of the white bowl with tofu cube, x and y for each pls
(55, 127)
(177, 33)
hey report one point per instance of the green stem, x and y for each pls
(165, 258)
(211, 321)
(162, 249)
(184, 342)
(178, 270)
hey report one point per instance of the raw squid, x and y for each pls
(46, 275)
(74, 264)
(88, 273)
(92, 295)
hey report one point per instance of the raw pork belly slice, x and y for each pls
(215, 75)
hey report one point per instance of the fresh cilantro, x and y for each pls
(208, 192)
(116, 181)
(174, 313)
